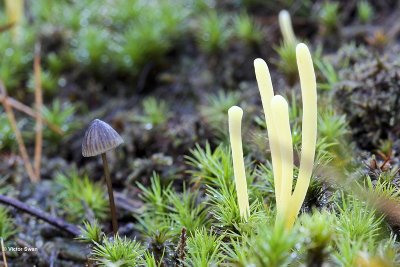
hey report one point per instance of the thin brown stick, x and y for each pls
(38, 106)
(4, 253)
(6, 27)
(30, 112)
(18, 137)
(40, 214)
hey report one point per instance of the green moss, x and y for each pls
(7, 137)
(91, 232)
(319, 236)
(215, 110)
(7, 226)
(287, 63)
(265, 246)
(60, 115)
(187, 211)
(213, 33)
(247, 30)
(119, 251)
(155, 113)
(204, 248)
(329, 16)
(81, 198)
(365, 12)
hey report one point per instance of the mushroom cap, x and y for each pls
(99, 138)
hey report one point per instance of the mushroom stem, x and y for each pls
(110, 194)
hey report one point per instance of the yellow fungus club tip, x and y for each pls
(264, 84)
(284, 16)
(260, 63)
(302, 46)
(235, 112)
(303, 53)
(307, 75)
(262, 73)
(285, 24)
(279, 104)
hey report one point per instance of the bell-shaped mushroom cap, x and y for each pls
(99, 138)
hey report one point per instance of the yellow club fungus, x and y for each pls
(280, 121)
(235, 115)
(309, 129)
(267, 92)
(276, 111)
(285, 24)
(275, 107)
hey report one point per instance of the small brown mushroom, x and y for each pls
(99, 138)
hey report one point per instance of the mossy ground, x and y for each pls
(164, 74)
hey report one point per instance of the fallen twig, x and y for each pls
(30, 112)
(38, 106)
(18, 137)
(38, 213)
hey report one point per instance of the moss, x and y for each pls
(7, 226)
(369, 97)
(82, 198)
(120, 251)
(213, 34)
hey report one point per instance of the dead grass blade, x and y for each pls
(18, 135)
(38, 106)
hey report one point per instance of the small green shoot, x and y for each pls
(155, 113)
(204, 248)
(332, 126)
(287, 63)
(212, 34)
(211, 167)
(82, 198)
(247, 30)
(214, 112)
(317, 228)
(155, 197)
(121, 252)
(328, 73)
(60, 115)
(91, 232)
(150, 260)
(266, 246)
(49, 83)
(357, 221)
(365, 12)
(329, 16)
(186, 212)
(7, 227)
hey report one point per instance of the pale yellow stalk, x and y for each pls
(15, 14)
(285, 24)
(281, 123)
(267, 92)
(235, 133)
(309, 129)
